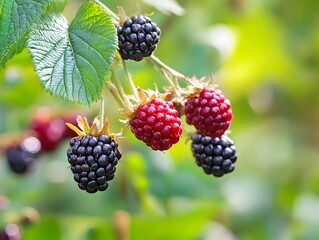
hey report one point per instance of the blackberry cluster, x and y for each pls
(137, 38)
(216, 156)
(93, 160)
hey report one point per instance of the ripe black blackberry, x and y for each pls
(137, 38)
(19, 160)
(93, 160)
(216, 156)
(20, 157)
(93, 155)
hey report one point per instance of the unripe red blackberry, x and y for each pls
(157, 124)
(216, 156)
(209, 112)
(93, 160)
(49, 131)
(137, 38)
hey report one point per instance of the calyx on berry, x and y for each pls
(143, 97)
(94, 130)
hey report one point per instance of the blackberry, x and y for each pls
(93, 160)
(48, 128)
(216, 156)
(21, 157)
(137, 38)
(157, 124)
(210, 112)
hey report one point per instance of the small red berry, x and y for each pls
(210, 112)
(49, 132)
(157, 124)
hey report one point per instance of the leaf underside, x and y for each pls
(73, 60)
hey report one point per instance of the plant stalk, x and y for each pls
(113, 90)
(159, 64)
(102, 112)
(130, 80)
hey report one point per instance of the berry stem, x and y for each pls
(159, 64)
(130, 80)
(118, 85)
(116, 89)
(176, 88)
(102, 112)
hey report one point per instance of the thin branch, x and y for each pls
(102, 112)
(130, 80)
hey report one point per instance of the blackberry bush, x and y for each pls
(137, 38)
(76, 60)
(216, 156)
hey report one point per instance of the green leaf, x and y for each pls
(73, 61)
(57, 6)
(16, 19)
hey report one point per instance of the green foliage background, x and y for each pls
(271, 77)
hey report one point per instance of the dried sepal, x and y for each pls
(122, 15)
(198, 85)
(106, 127)
(75, 129)
(141, 95)
(83, 124)
(144, 97)
(94, 130)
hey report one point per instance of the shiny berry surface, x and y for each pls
(216, 156)
(157, 124)
(209, 112)
(137, 38)
(92, 160)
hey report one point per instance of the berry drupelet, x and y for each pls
(216, 156)
(157, 124)
(209, 112)
(137, 38)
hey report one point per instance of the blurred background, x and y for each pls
(264, 55)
